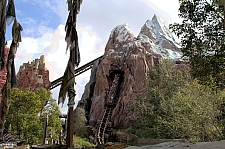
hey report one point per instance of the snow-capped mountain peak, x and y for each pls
(154, 33)
(161, 38)
(161, 29)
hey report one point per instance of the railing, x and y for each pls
(78, 71)
(110, 100)
(103, 125)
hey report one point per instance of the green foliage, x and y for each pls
(193, 110)
(80, 122)
(202, 38)
(79, 142)
(54, 122)
(132, 142)
(174, 106)
(44, 95)
(25, 114)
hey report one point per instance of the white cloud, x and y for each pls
(94, 24)
(88, 40)
(28, 20)
(62, 10)
(52, 44)
(169, 9)
(34, 28)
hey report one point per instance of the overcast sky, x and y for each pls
(43, 23)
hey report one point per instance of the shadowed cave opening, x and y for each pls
(116, 75)
(116, 95)
(89, 101)
(105, 127)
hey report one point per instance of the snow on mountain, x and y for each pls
(161, 39)
(160, 29)
(154, 33)
(132, 57)
(121, 34)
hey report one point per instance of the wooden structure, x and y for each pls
(110, 104)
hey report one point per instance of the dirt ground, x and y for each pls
(116, 147)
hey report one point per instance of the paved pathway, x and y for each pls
(181, 145)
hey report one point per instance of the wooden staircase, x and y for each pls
(110, 102)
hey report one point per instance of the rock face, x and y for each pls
(3, 72)
(132, 57)
(33, 75)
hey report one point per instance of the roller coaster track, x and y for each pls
(78, 71)
(110, 100)
(103, 125)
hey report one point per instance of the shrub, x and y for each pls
(174, 106)
(80, 122)
(81, 142)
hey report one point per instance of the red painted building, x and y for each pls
(3, 72)
(33, 75)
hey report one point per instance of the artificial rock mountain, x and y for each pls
(132, 57)
(33, 75)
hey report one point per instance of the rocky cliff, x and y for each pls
(131, 57)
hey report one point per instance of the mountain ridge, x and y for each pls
(131, 57)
